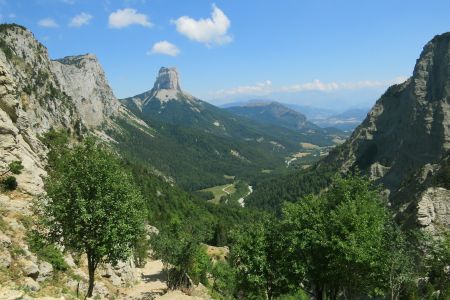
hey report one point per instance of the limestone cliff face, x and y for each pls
(84, 80)
(17, 144)
(168, 79)
(408, 127)
(37, 94)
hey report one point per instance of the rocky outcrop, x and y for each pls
(433, 209)
(84, 80)
(37, 94)
(167, 79)
(166, 88)
(17, 140)
(408, 128)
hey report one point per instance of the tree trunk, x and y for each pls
(91, 269)
(319, 293)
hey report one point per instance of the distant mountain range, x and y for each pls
(403, 145)
(198, 143)
(274, 113)
(346, 121)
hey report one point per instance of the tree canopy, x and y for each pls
(92, 205)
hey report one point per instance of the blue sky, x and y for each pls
(333, 53)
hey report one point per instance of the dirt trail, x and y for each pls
(224, 189)
(151, 283)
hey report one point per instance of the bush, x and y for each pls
(9, 183)
(47, 252)
(201, 266)
(224, 278)
(16, 167)
(141, 247)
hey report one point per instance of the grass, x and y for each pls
(309, 146)
(219, 191)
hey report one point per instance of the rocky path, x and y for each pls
(151, 283)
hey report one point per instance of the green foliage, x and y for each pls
(438, 265)
(298, 295)
(46, 251)
(256, 256)
(9, 183)
(340, 242)
(241, 190)
(178, 246)
(15, 167)
(140, 250)
(224, 278)
(204, 195)
(270, 194)
(201, 266)
(194, 158)
(17, 250)
(91, 205)
(340, 237)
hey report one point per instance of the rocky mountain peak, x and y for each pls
(82, 78)
(167, 79)
(407, 129)
(166, 88)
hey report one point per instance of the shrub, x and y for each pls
(9, 183)
(16, 167)
(47, 252)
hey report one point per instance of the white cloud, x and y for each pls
(80, 20)
(265, 88)
(209, 31)
(126, 17)
(164, 47)
(48, 22)
(317, 85)
(256, 89)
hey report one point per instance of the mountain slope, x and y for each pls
(401, 144)
(274, 113)
(198, 143)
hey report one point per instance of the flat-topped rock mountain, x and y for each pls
(167, 88)
(167, 79)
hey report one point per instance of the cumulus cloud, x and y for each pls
(256, 89)
(266, 87)
(80, 20)
(318, 85)
(48, 23)
(209, 31)
(164, 47)
(128, 16)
